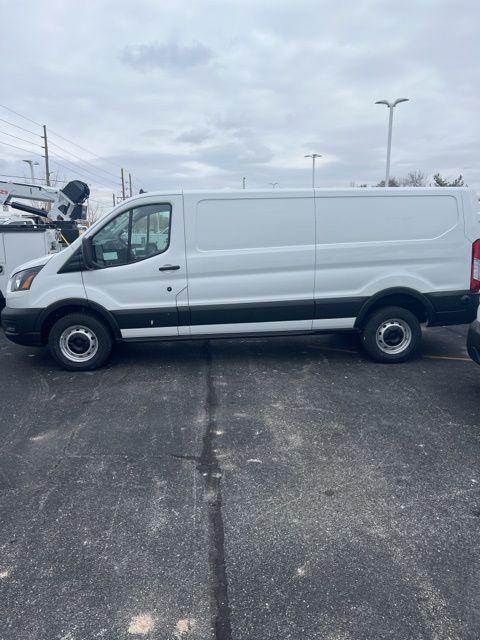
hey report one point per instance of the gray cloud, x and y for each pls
(154, 133)
(208, 92)
(169, 55)
(236, 154)
(194, 136)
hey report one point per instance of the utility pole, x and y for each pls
(123, 183)
(130, 183)
(47, 164)
(244, 180)
(113, 198)
(313, 156)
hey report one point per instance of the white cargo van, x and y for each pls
(216, 264)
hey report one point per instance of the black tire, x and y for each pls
(80, 342)
(391, 334)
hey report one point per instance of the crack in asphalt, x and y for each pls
(209, 467)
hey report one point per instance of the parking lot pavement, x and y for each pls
(241, 489)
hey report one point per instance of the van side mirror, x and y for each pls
(88, 255)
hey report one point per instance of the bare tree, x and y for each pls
(414, 179)
(56, 179)
(94, 212)
(392, 182)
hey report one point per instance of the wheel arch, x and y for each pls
(59, 309)
(403, 297)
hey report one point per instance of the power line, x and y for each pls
(82, 160)
(74, 169)
(21, 149)
(20, 115)
(86, 150)
(63, 138)
(6, 175)
(19, 127)
(70, 169)
(80, 173)
(82, 169)
(56, 180)
(5, 133)
(83, 149)
(100, 179)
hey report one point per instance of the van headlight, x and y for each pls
(22, 281)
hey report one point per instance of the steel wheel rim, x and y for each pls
(78, 343)
(393, 336)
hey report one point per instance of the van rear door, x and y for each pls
(471, 210)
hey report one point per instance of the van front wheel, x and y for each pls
(80, 342)
(391, 334)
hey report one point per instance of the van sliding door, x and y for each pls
(250, 260)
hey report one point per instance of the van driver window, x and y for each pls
(133, 235)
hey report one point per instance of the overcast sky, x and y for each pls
(190, 94)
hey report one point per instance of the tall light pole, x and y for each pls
(313, 156)
(31, 163)
(274, 184)
(391, 106)
(244, 182)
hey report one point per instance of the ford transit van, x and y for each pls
(164, 266)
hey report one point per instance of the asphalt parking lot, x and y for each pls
(241, 489)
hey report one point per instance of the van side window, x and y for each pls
(150, 231)
(133, 235)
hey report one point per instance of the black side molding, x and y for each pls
(453, 307)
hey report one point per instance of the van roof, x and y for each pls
(376, 191)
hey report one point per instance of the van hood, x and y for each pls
(38, 262)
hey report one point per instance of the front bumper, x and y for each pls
(20, 326)
(473, 341)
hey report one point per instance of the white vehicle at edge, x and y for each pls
(19, 243)
(213, 264)
(36, 232)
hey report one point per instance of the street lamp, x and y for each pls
(31, 163)
(313, 156)
(274, 184)
(391, 106)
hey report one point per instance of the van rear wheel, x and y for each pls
(80, 342)
(391, 334)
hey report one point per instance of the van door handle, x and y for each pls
(170, 267)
